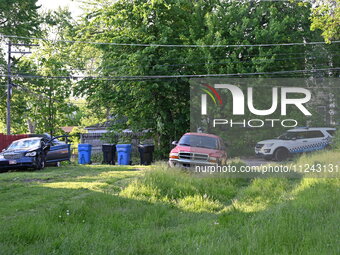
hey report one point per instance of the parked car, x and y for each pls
(33, 152)
(198, 149)
(294, 141)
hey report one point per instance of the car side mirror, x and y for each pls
(174, 143)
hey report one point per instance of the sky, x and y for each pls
(73, 6)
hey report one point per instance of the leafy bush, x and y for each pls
(97, 157)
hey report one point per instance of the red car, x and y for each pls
(198, 149)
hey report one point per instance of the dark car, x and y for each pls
(34, 152)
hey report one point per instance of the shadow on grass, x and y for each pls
(64, 173)
(42, 220)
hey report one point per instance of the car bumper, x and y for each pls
(189, 163)
(264, 155)
(263, 152)
(25, 162)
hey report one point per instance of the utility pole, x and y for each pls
(9, 89)
(9, 79)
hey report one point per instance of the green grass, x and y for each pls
(155, 210)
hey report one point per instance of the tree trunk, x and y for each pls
(31, 126)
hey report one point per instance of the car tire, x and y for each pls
(281, 154)
(57, 164)
(328, 147)
(40, 163)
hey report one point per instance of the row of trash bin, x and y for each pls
(123, 153)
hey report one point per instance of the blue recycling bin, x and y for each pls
(123, 153)
(84, 153)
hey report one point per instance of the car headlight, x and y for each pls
(269, 144)
(212, 159)
(174, 155)
(31, 154)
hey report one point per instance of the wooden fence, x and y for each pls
(6, 140)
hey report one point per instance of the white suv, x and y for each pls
(297, 140)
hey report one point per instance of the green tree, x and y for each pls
(162, 105)
(43, 104)
(20, 18)
(326, 17)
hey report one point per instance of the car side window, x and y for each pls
(314, 134)
(300, 135)
(331, 132)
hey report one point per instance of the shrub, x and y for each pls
(97, 157)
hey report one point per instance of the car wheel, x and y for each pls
(328, 147)
(40, 163)
(57, 164)
(281, 154)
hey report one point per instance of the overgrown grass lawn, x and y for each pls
(156, 210)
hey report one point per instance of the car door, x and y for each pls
(58, 152)
(300, 143)
(316, 140)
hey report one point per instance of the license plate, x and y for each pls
(12, 162)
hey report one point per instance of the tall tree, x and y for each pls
(326, 16)
(43, 104)
(163, 104)
(19, 18)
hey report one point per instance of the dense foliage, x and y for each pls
(326, 16)
(163, 104)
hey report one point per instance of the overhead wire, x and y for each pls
(250, 61)
(170, 45)
(76, 77)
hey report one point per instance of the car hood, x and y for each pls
(179, 148)
(268, 141)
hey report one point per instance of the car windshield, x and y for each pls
(199, 141)
(288, 136)
(24, 144)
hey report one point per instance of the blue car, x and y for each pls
(34, 152)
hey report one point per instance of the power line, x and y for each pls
(307, 54)
(250, 61)
(145, 77)
(169, 45)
